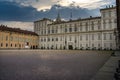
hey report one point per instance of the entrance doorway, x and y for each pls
(70, 47)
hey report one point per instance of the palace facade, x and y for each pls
(15, 38)
(87, 33)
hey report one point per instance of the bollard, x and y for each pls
(119, 63)
(117, 76)
(118, 70)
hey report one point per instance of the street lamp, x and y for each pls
(118, 21)
(116, 38)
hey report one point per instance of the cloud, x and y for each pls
(47, 4)
(12, 11)
(18, 24)
(89, 4)
(21, 13)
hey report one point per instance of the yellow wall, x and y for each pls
(17, 40)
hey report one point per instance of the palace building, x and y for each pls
(15, 38)
(88, 33)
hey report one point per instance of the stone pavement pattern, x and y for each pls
(108, 69)
(50, 65)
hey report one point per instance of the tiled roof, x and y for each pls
(17, 30)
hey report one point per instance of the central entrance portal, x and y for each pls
(70, 47)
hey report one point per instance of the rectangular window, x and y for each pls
(92, 36)
(92, 28)
(75, 28)
(56, 39)
(99, 45)
(99, 36)
(110, 13)
(6, 38)
(104, 36)
(80, 28)
(11, 45)
(48, 31)
(48, 39)
(80, 45)
(92, 25)
(1, 44)
(52, 39)
(11, 38)
(86, 45)
(110, 36)
(60, 38)
(52, 30)
(104, 24)
(70, 29)
(99, 27)
(75, 39)
(110, 24)
(105, 45)
(41, 40)
(44, 39)
(81, 37)
(104, 15)
(86, 28)
(86, 37)
(111, 45)
(65, 29)
(93, 45)
(70, 38)
(6, 45)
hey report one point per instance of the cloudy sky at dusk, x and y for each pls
(22, 13)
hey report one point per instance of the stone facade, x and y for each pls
(13, 38)
(88, 33)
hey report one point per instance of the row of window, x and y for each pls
(70, 29)
(106, 36)
(11, 45)
(109, 14)
(6, 38)
(80, 45)
(92, 23)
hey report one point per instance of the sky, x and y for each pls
(22, 13)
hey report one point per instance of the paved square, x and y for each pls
(50, 64)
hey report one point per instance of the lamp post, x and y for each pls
(118, 22)
(116, 37)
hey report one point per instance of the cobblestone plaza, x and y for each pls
(50, 64)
